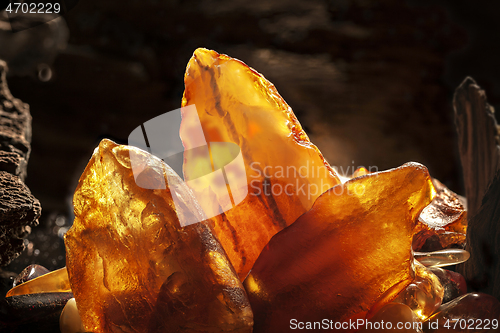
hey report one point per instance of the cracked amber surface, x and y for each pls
(443, 222)
(132, 268)
(341, 256)
(285, 172)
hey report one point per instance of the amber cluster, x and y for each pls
(368, 248)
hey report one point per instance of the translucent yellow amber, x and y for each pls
(133, 268)
(285, 172)
(53, 282)
(442, 258)
(361, 171)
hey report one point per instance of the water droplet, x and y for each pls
(44, 72)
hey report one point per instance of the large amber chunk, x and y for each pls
(285, 172)
(341, 256)
(132, 268)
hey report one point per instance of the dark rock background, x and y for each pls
(371, 81)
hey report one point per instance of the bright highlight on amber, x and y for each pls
(237, 104)
(53, 282)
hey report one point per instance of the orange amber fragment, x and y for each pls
(285, 172)
(442, 223)
(53, 282)
(341, 256)
(132, 267)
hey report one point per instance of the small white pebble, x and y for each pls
(70, 321)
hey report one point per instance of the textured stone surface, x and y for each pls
(479, 138)
(15, 121)
(482, 270)
(319, 268)
(130, 264)
(32, 313)
(19, 210)
(285, 172)
(13, 163)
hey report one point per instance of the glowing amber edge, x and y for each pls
(296, 129)
(36, 286)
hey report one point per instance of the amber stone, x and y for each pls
(341, 256)
(424, 294)
(453, 283)
(393, 317)
(29, 273)
(285, 172)
(443, 223)
(442, 258)
(132, 267)
(429, 240)
(55, 281)
(474, 312)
